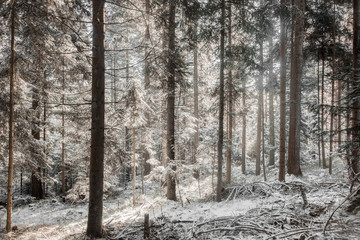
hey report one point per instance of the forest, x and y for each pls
(179, 119)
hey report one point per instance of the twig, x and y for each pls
(332, 214)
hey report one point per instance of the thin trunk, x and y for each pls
(263, 142)
(163, 109)
(282, 92)
(243, 147)
(196, 100)
(332, 113)
(322, 114)
(147, 166)
(63, 138)
(134, 146)
(259, 111)
(94, 224)
(230, 110)
(271, 107)
(318, 113)
(355, 87)
(170, 136)
(295, 92)
(221, 104)
(44, 138)
(11, 121)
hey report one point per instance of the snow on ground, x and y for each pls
(261, 204)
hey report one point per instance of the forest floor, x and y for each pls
(251, 209)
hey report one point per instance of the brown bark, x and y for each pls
(271, 108)
(147, 166)
(243, 141)
(318, 102)
(322, 114)
(221, 104)
(94, 224)
(260, 104)
(355, 87)
(282, 92)
(11, 121)
(230, 108)
(196, 101)
(63, 139)
(170, 136)
(295, 92)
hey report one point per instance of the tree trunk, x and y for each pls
(230, 109)
(355, 87)
(134, 146)
(322, 114)
(170, 136)
(221, 104)
(147, 166)
(63, 139)
(318, 113)
(196, 100)
(282, 92)
(243, 147)
(295, 92)
(94, 224)
(271, 107)
(259, 110)
(11, 121)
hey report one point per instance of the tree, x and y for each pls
(295, 92)
(11, 120)
(221, 104)
(171, 87)
(271, 105)
(260, 102)
(94, 225)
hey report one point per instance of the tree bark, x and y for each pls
(243, 141)
(63, 139)
(271, 107)
(11, 121)
(196, 99)
(147, 166)
(295, 92)
(322, 114)
(260, 104)
(170, 136)
(355, 88)
(94, 224)
(221, 104)
(282, 92)
(230, 108)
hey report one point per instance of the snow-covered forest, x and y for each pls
(168, 119)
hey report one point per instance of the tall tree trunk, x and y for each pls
(318, 113)
(170, 136)
(164, 158)
(147, 166)
(271, 106)
(243, 141)
(134, 145)
(322, 114)
(94, 224)
(259, 110)
(263, 141)
(63, 188)
(295, 92)
(11, 120)
(355, 87)
(196, 99)
(221, 104)
(332, 112)
(230, 108)
(282, 92)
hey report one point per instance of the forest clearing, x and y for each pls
(179, 119)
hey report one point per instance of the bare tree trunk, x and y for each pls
(134, 145)
(94, 224)
(271, 107)
(322, 114)
(282, 92)
(147, 166)
(230, 109)
(170, 143)
(11, 121)
(221, 104)
(355, 87)
(63, 138)
(263, 142)
(259, 111)
(318, 114)
(196, 101)
(295, 92)
(243, 141)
